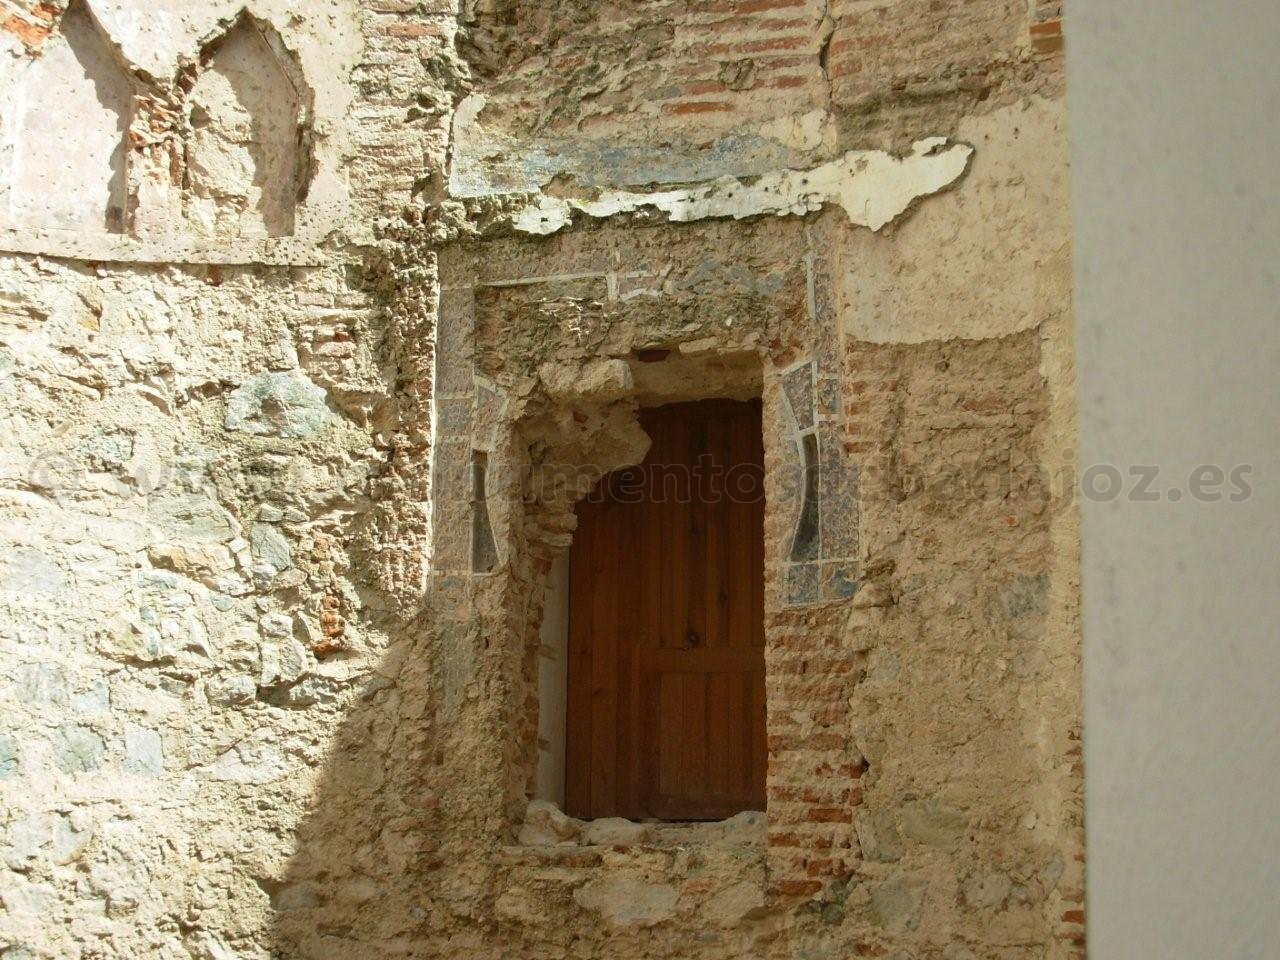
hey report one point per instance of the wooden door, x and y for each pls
(666, 709)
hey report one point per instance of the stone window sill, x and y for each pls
(567, 839)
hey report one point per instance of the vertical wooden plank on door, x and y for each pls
(737, 525)
(604, 637)
(754, 524)
(693, 787)
(669, 742)
(694, 435)
(670, 481)
(577, 793)
(759, 702)
(630, 635)
(720, 735)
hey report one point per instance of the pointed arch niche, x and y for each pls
(247, 144)
(67, 130)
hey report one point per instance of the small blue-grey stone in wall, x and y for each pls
(221, 601)
(896, 903)
(143, 752)
(189, 516)
(77, 749)
(8, 758)
(108, 449)
(70, 837)
(1023, 597)
(270, 546)
(933, 823)
(278, 405)
(94, 700)
(40, 685)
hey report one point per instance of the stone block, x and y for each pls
(269, 545)
(628, 901)
(30, 571)
(735, 903)
(545, 824)
(77, 749)
(278, 405)
(896, 905)
(8, 758)
(143, 752)
(934, 824)
(615, 832)
(41, 685)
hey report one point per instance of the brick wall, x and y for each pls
(689, 68)
(878, 48)
(402, 111)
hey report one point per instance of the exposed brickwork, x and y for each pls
(403, 129)
(31, 22)
(719, 63)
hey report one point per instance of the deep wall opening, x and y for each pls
(665, 697)
(248, 150)
(561, 481)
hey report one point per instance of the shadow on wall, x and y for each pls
(356, 886)
(400, 851)
(399, 845)
(69, 119)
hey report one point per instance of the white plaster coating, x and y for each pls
(901, 292)
(68, 163)
(1178, 344)
(872, 186)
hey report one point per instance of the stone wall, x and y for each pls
(265, 697)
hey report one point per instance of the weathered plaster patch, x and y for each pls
(873, 187)
(278, 404)
(485, 161)
(47, 184)
(1008, 222)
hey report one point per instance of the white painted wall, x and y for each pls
(1175, 118)
(553, 684)
(71, 114)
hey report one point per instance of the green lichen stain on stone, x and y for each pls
(77, 749)
(278, 405)
(269, 545)
(8, 758)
